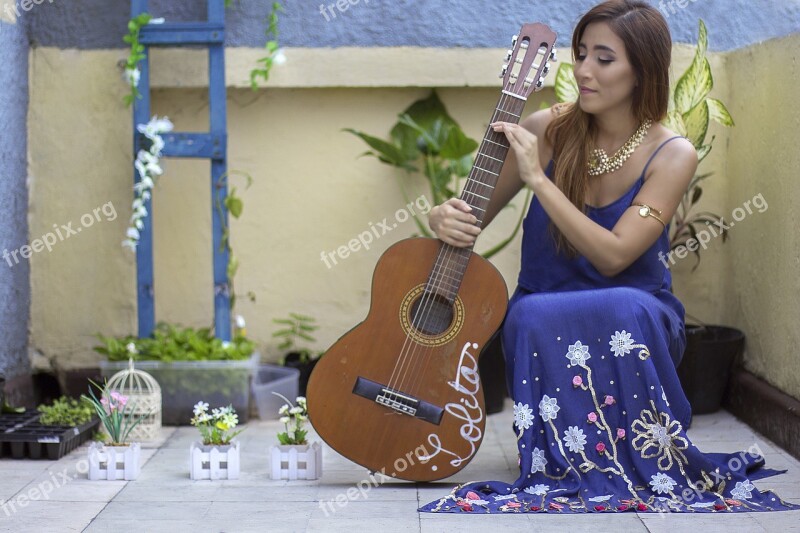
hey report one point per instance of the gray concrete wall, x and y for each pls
(14, 276)
(91, 24)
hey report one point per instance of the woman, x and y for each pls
(593, 334)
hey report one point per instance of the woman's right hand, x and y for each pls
(454, 223)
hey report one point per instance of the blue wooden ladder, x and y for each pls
(211, 145)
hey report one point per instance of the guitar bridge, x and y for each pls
(398, 401)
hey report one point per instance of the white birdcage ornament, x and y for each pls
(144, 395)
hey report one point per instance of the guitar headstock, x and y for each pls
(528, 61)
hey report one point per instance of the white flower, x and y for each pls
(578, 354)
(538, 461)
(284, 420)
(279, 58)
(548, 408)
(230, 420)
(240, 322)
(743, 489)
(133, 234)
(128, 243)
(621, 343)
(200, 407)
(132, 76)
(661, 435)
(702, 504)
(283, 410)
(146, 195)
(159, 20)
(523, 416)
(216, 412)
(226, 345)
(157, 146)
(131, 347)
(301, 400)
(538, 490)
(574, 439)
(603, 498)
(661, 483)
(139, 224)
(296, 410)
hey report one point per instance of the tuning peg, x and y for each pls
(553, 55)
(509, 53)
(546, 69)
(503, 71)
(540, 83)
(514, 40)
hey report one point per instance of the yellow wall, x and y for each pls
(310, 193)
(762, 271)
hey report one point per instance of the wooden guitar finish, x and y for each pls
(400, 393)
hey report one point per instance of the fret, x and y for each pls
(479, 183)
(498, 144)
(483, 169)
(490, 157)
(508, 112)
(476, 194)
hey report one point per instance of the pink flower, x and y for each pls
(601, 447)
(472, 496)
(620, 433)
(514, 505)
(556, 506)
(641, 507)
(610, 400)
(577, 381)
(592, 417)
(599, 508)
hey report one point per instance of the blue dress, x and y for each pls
(599, 413)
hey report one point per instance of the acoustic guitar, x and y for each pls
(400, 393)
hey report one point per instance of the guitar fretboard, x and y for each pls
(448, 271)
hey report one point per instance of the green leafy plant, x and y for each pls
(136, 54)
(296, 329)
(66, 412)
(690, 112)
(217, 428)
(426, 139)
(116, 414)
(274, 55)
(293, 417)
(175, 343)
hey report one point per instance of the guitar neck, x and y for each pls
(445, 278)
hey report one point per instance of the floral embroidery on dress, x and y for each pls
(658, 436)
(578, 354)
(538, 462)
(662, 483)
(548, 408)
(538, 489)
(523, 416)
(621, 343)
(742, 490)
(574, 439)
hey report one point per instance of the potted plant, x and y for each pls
(294, 457)
(295, 330)
(711, 350)
(427, 140)
(117, 458)
(217, 455)
(189, 364)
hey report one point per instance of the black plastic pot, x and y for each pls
(711, 352)
(294, 360)
(492, 367)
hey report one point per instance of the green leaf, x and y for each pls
(718, 112)
(566, 87)
(695, 84)
(387, 152)
(674, 121)
(698, 192)
(457, 144)
(703, 151)
(696, 122)
(234, 206)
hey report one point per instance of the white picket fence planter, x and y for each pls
(114, 462)
(214, 462)
(296, 461)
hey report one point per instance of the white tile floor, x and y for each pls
(164, 499)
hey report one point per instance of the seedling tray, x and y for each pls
(23, 437)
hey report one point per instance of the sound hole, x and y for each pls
(431, 314)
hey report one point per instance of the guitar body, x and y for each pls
(439, 370)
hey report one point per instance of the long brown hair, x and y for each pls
(648, 44)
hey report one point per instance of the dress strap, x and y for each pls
(644, 172)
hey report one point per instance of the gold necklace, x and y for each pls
(599, 163)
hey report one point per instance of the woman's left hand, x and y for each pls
(526, 148)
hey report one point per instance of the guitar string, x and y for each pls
(418, 360)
